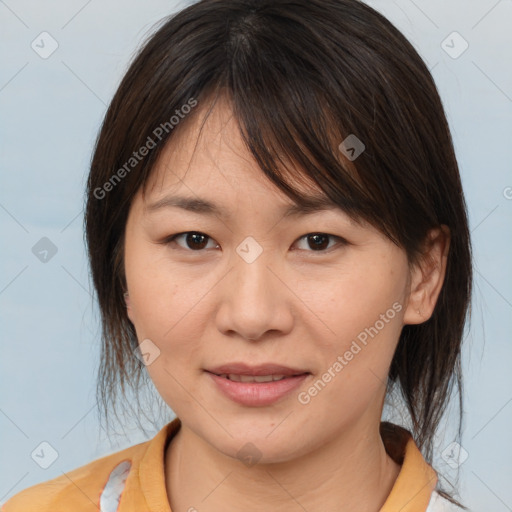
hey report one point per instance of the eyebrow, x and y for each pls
(308, 205)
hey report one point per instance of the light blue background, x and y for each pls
(51, 110)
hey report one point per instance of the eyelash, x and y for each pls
(171, 239)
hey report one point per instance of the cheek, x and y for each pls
(363, 307)
(160, 295)
(355, 366)
(170, 307)
(353, 298)
(167, 311)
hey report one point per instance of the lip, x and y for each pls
(257, 394)
(262, 369)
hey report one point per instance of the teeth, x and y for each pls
(252, 378)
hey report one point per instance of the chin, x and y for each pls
(258, 447)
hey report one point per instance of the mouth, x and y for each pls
(267, 372)
(257, 385)
(254, 378)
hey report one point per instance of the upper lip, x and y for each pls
(262, 369)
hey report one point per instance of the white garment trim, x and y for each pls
(111, 495)
(439, 504)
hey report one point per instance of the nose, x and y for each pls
(256, 301)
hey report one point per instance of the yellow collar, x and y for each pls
(411, 493)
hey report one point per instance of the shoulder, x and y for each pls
(440, 504)
(78, 490)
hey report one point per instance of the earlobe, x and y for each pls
(128, 306)
(427, 276)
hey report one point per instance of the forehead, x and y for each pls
(206, 167)
(208, 154)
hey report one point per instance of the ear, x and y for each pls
(129, 311)
(427, 276)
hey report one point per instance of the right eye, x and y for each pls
(194, 240)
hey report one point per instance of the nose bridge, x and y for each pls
(251, 273)
(252, 301)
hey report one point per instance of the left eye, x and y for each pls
(197, 241)
(319, 242)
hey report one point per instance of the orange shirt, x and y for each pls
(133, 480)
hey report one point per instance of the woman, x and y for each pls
(277, 233)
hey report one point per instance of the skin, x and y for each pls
(293, 305)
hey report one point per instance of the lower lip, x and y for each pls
(257, 393)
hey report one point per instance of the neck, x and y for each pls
(351, 472)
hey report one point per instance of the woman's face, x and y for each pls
(251, 289)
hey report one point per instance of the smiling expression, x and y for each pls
(222, 269)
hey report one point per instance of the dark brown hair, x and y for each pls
(300, 76)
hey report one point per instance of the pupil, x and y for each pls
(317, 241)
(196, 239)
